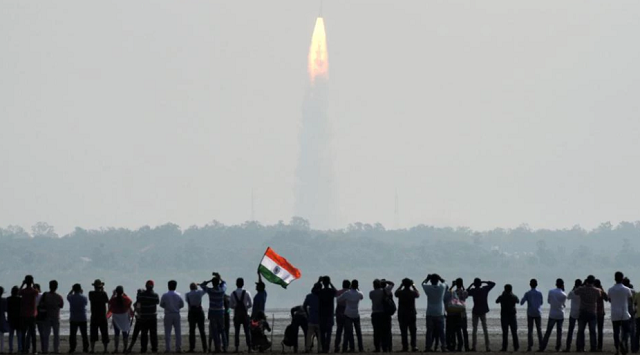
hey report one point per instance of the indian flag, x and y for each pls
(277, 269)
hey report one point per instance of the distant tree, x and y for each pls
(299, 223)
(43, 230)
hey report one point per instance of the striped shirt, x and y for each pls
(148, 302)
(216, 296)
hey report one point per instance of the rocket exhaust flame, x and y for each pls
(318, 58)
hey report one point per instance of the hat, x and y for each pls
(150, 282)
(97, 282)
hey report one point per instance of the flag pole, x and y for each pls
(260, 263)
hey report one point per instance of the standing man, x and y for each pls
(340, 308)
(407, 294)
(99, 301)
(574, 314)
(311, 306)
(589, 296)
(28, 312)
(148, 301)
(434, 289)
(462, 295)
(52, 302)
(240, 302)
(480, 309)
(636, 303)
(326, 297)
(556, 300)
(352, 299)
(534, 301)
(260, 299)
(195, 317)
(77, 318)
(380, 320)
(619, 295)
(508, 320)
(601, 314)
(216, 311)
(172, 303)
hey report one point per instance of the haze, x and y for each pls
(479, 114)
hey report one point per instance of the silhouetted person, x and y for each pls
(312, 306)
(508, 302)
(480, 309)
(4, 325)
(407, 294)
(195, 317)
(259, 325)
(434, 289)
(619, 295)
(352, 317)
(299, 321)
(227, 318)
(98, 322)
(632, 322)
(534, 301)
(340, 307)
(148, 301)
(217, 312)
(387, 332)
(574, 313)
(28, 309)
(589, 296)
(326, 297)
(52, 302)
(240, 302)
(601, 314)
(172, 303)
(120, 308)
(137, 326)
(380, 320)
(635, 331)
(13, 317)
(260, 299)
(556, 299)
(462, 295)
(78, 303)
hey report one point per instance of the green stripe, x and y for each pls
(271, 277)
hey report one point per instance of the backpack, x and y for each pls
(290, 335)
(389, 305)
(240, 312)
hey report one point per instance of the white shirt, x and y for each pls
(194, 298)
(619, 296)
(556, 300)
(352, 299)
(171, 302)
(247, 299)
(575, 305)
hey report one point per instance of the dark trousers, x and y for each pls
(246, 326)
(326, 328)
(196, 319)
(509, 322)
(587, 319)
(377, 320)
(298, 323)
(339, 332)
(134, 334)
(530, 322)
(407, 325)
(600, 330)
(454, 331)
(435, 329)
(73, 331)
(149, 330)
(625, 325)
(635, 344)
(29, 334)
(550, 324)
(349, 325)
(572, 326)
(465, 333)
(633, 333)
(218, 331)
(103, 326)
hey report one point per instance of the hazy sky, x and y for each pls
(479, 113)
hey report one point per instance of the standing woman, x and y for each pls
(120, 308)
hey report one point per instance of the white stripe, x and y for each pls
(277, 270)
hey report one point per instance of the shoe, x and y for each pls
(415, 350)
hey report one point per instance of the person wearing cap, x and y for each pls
(195, 317)
(172, 303)
(260, 299)
(98, 321)
(216, 311)
(148, 301)
(77, 318)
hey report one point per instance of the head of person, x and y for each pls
(354, 284)
(172, 285)
(407, 282)
(508, 288)
(1, 293)
(376, 284)
(140, 290)
(15, 290)
(28, 280)
(346, 284)
(383, 283)
(459, 282)
(316, 286)
(597, 283)
(119, 291)
(577, 283)
(215, 281)
(590, 280)
(619, 277)
(98, 285)
(76, 288)
(533, 283)
(53, 285)
(193, 286)
(435, 278)
(260, 286)
(240, 282)
(37, 287)
(477, 282)
(149, 285)
(326, 281)
(627, 282)
(560, 284)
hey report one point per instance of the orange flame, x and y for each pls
(318, 58)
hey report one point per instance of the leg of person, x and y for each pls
(339, 333)
(404, 337)
(413, 332)
(443, 336)
(513, 324)
(144, 336)
(168, 324)
(572, 325)
(45, 334)
(56, 335)
(450, 334)
(215, 331)
(134, 337)
(559, 323)
(483, 321)
(538, 323)
(178, 330)
(465, 332)
(504, 324)
(358, 330)
(600, 330)
(203, 334)
(592, 333)
(529, 333)
(153, 334)
(192, 332)
(474, 331)
(429, 337)
(616, 335)
(375, 322)
(104, 331)
(625, 325)
(83, 333)
(73, 332)
(385, 328)
(93, 335)
(116, 338)
(348, 344)
(125, 340)
(247, 333)
(580, 337)
(308, 339)
(11, 334)
(547, 334)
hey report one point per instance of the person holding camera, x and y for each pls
(381, 321)
(407, 294)
(28, 308)
(480, 309)
(98, 322)
(195, 317)
(326, 296)
(216, 311)
(434, 289)
(148, 301)
(352, 300)
(77, 318)
(340, 307)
